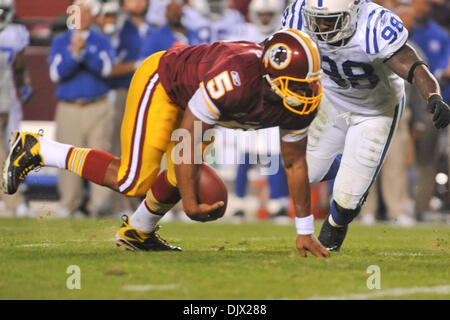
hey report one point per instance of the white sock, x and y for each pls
(334, 224)
(144, 219)
(54, 153)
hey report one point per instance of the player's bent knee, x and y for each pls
(370, 149)
(345, 200)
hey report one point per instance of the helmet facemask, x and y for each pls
(301, 96)
(334, 23)
(293, 65)
(6, 16)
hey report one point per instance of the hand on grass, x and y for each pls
(311, 243)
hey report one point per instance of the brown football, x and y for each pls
(211, 188)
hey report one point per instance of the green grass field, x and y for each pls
(220, 261)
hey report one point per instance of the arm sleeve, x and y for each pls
(62, 62)
(292, 16)
(22, 38)
(384, 34)
(202, 106)
(101, 60)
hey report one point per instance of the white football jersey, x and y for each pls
(14, 39)
(247, 32)
(208, 30)
(356, 78)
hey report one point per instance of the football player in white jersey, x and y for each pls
(212, 19)
(264, 18)
(14, 38)
(365, 59)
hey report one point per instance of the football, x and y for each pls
(211, 188)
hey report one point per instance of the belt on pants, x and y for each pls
(84, 102)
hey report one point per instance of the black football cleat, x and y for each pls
(23, 157)
(137, 240)
(332, 237)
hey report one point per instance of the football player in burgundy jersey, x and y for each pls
(232, 84)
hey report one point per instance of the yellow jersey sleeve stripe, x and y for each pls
(208, 102)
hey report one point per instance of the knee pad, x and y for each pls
(370, 149)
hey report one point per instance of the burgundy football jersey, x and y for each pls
(222, 84)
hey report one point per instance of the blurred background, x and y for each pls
(413, 186)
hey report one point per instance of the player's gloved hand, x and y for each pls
(440, 111)
(312, 244)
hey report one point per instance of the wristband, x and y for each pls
(305, 225)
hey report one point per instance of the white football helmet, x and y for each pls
(212, 9)
(271, 7)
(7, 11)
(330, 21)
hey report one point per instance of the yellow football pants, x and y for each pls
(149, 119)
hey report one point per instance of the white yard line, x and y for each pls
(394, 292)
(33, 245)
(402, 254)
(151, 287)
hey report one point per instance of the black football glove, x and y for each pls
(440, 111)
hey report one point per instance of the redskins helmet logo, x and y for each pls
(279, 56)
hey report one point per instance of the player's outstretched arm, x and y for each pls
(294, 157)
(408, 65)
(186, 171)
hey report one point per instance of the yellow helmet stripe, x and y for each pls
(312, 49)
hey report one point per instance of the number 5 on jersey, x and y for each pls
(218, 86)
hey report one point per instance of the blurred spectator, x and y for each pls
(440, 11)
(278, 203)
(241, 6)
(14, 39)
(14, 203)
(131, 32)
(213, 20)
(172, 34)
(127, 40)
(432, 39)
(435, 43)
(80, 61)
(107, 18)
(264, 20)
(156, 13)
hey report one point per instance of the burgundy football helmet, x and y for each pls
(293, 63)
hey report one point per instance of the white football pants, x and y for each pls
(363, 142)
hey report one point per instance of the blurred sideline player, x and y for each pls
(172, 34)
(264, 16)
(193, 88)
(213, 20)
(14, 39)
(80, 62)
(127, 39)
(365, 57)
(264, 21)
